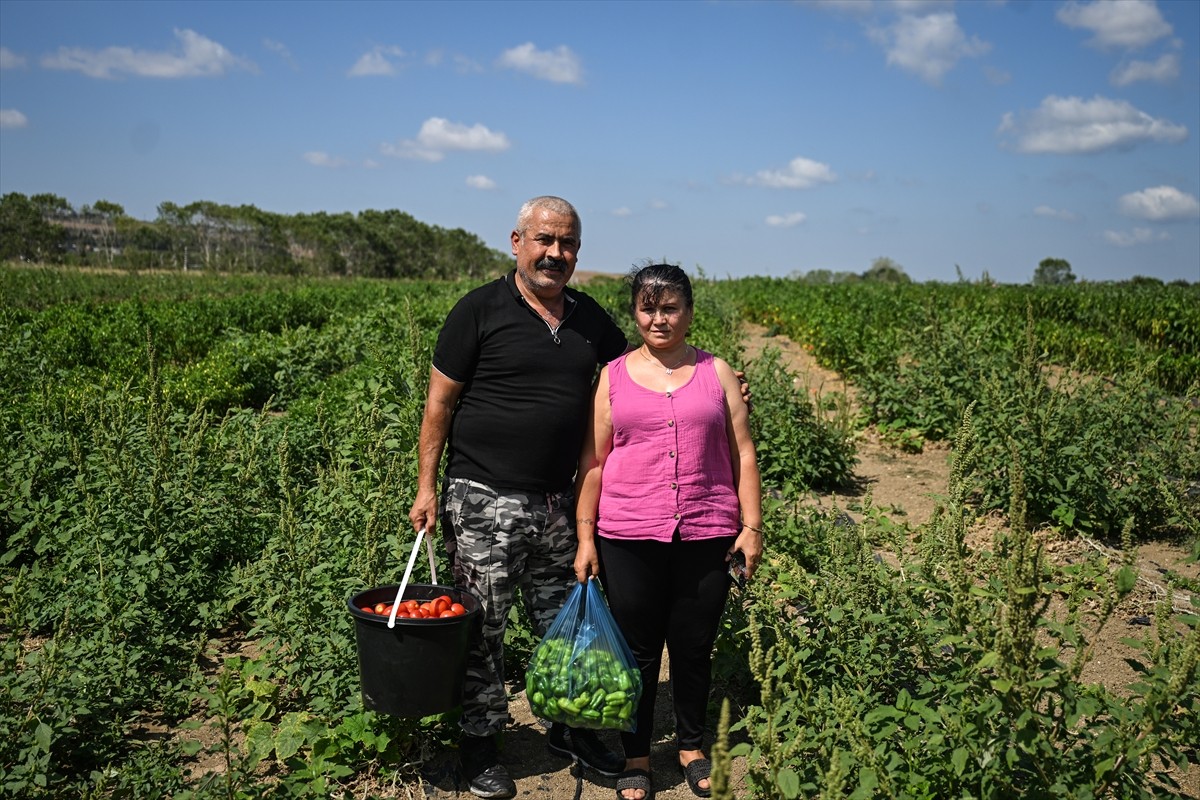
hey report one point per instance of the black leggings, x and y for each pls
(669, 593)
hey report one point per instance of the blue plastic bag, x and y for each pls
(582, 673)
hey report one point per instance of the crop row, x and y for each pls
(195, 479)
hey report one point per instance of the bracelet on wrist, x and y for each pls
(751, 527)
(585, 521)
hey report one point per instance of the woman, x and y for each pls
(668, 492)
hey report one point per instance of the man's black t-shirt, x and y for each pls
(523, 410)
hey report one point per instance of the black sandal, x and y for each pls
(635, 779)
(696, 771)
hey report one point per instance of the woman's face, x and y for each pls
(663, 322)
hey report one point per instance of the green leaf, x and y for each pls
(1126, 580)
(260, 741)
(788, 783)
(291, 735)
(958, 759)
(43, 735)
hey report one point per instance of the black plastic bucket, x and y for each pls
(418, 667)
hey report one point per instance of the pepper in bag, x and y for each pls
(582, 673)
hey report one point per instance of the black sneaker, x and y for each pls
(486, 776)
(584, 746)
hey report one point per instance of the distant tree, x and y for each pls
(52, 206)
(817, 276)
(107, 216)
(176, 221)
(1145, 280)
(885, 270)
(25, 232)
(380, 244)
(1053, 272)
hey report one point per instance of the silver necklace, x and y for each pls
(671, 368)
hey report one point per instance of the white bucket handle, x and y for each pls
(412, 559)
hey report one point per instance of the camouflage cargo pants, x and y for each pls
(499, 542)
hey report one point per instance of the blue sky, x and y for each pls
(740, 138)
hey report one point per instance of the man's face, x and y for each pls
(546, 252)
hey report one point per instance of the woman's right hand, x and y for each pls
(587, 562)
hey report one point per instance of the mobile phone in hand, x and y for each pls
(737, 568)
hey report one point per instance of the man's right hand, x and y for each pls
(423, 513)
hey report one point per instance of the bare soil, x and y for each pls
(906, 487)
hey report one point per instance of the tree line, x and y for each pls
(204, 235)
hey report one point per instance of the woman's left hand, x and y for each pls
(750, 544)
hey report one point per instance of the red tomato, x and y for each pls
(447, 613)
(459, 609)
(379, 607)
(411, 605)
(367, 609)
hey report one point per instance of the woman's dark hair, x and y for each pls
(650, 281)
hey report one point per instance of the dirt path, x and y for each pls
(905, 486)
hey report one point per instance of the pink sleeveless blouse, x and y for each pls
(670, 463)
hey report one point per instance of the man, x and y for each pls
(509, 394)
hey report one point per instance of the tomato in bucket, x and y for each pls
(418, 667)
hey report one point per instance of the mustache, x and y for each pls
(552, 263)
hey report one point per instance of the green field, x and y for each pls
(199, 469)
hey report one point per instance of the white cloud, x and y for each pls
(786, 220)
(11, 118)
(1072, 125)
(1164, 70)
(623, 211)
(321, 159)
(437, 136)
(800, 173)
(197, 56)
(927, 45)
(1160, 204)
(280, 49)
(10, 60)
(997, 77)
(1134, 237)
(1055, 213)
(376, 61)
(482, 182)
(557, 66)
(1125, 24)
